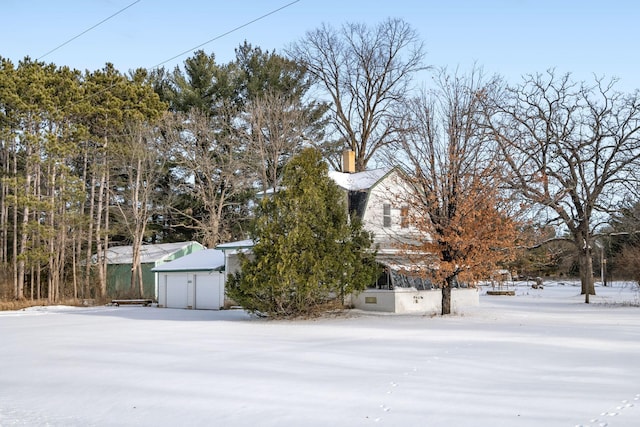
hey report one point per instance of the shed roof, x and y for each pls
(240, 244)
(148, 253)
(205, 260)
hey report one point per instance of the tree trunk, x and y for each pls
(135, 283)
(102, 242)
(103, 269)
(74, 262)
(140, 280)
(137, 212)
(52, 296)
(15, 222)
(4, 213)
(31, 284)
(24, 239)
(15, 241)
(586, 274)
(446, 296)
(89, 236)
(80, 283)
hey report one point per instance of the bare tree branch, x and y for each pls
(367, 73)
(568, 147)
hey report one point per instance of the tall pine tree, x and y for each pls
(308, 254)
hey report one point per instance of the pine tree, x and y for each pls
(308, 254)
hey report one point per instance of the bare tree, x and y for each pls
(367, 73)
(465, 223)
(139, 166)
(572, 149)
(275, 130)
(212, 167)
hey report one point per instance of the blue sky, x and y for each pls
(508, 37)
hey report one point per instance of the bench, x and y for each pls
(502, 292)
(139, 301)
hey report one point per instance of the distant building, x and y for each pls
(120, 265)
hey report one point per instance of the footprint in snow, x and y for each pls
(624, 404)
(414, 370)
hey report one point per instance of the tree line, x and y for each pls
(101, 158)
(96, 159)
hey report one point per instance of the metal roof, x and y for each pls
(205, 260)
(240, 244)
(148, 253)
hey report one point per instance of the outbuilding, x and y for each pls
(194, 281)
(119, 266)
(232, 251)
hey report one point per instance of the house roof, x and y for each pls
(359, 180)
(205, 260)
(240, 244)
(148, 253)
(356, 181)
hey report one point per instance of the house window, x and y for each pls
(404, 216)
(386, 215)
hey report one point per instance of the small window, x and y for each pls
(404, 217)
(386, 215)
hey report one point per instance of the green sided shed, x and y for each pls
(119, 266)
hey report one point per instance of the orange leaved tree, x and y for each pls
(464, 221)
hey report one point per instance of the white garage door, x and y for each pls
(208, 290)
(177, 291)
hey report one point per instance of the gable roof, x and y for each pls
(148, 253)
(350, 181)
(359, 181)
(204, 260)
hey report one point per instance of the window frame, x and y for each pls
(386, 215)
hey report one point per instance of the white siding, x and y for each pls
(174, 291)
(197, 290)
(390, 191)
(209, 290)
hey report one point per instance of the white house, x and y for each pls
(193, 281)
(379, 198)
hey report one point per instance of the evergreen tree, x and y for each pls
(267, 72)
(308, 253)
(233, 127)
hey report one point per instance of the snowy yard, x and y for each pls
(540, 358)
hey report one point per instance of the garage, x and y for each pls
(195, 281)
(176, 290)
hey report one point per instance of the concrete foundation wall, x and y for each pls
(408, 300)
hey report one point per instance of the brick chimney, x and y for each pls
(348, 161)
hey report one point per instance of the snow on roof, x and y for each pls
(148, 253)
(205, 260)
(359, 180)
(249, 243)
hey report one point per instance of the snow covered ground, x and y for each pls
(541, 358)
